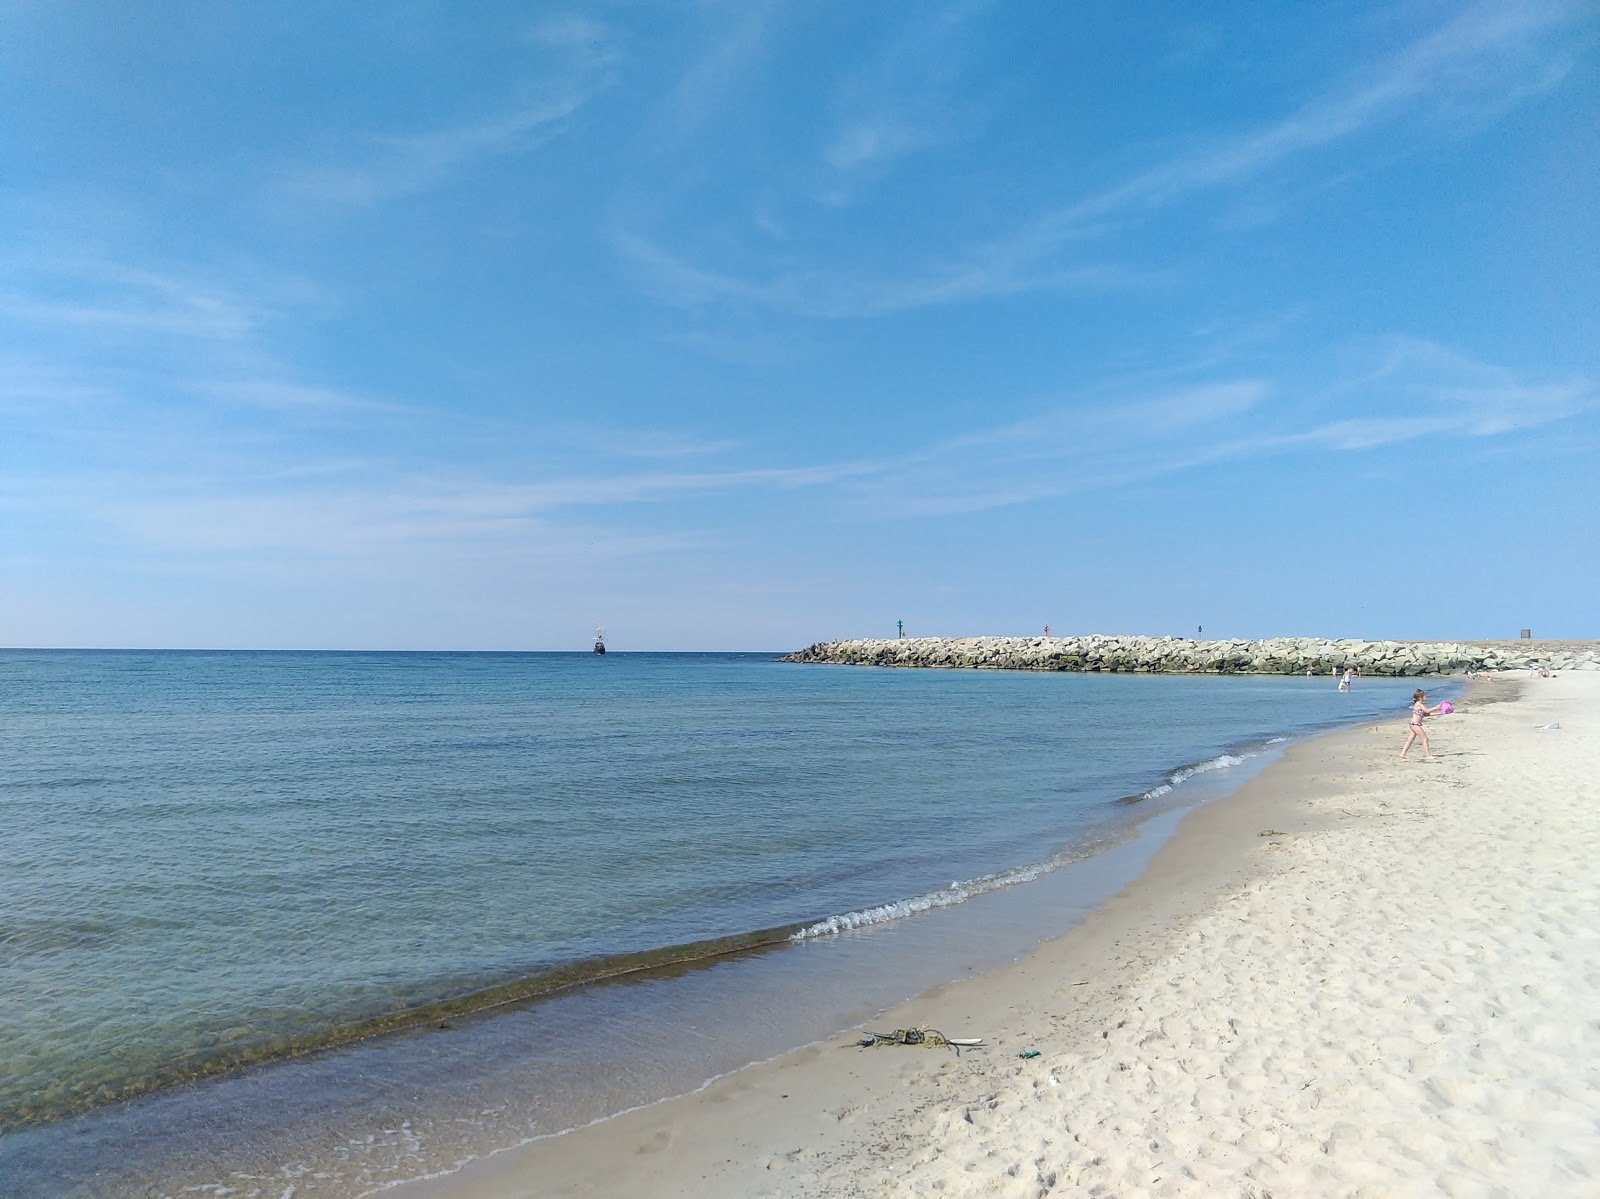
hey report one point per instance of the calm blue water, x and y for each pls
(203, 854)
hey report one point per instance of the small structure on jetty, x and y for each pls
(1180, 655)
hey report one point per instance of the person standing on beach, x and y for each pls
(1419, 712)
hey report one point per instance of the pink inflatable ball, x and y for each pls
(1446, 708)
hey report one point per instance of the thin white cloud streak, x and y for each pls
(89, 316)
(872, 141)
(80, 297)
(232, 513)
(1482, 61)
(673, 280)
(103, 359)
(1081, 448)
(835, 295)
(516, 501)
(1143, 437)
(652, 443)
(173, 488)
(394, 165)
(1169, 414)
(742, 347)
(28, 385)
(1445, 59)
(283, 394)
(402, 165)
(1492, 396)
(589, 40)
(1442, 67)
(78, 332)
(898, 107)
(744, 31)
(332, 526)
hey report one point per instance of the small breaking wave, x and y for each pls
(1221, 762)
(961, 891)
(944, 897)
(1185, 773)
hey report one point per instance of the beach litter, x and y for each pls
(1552, 727)
(1029, 1053)
(920, 1036)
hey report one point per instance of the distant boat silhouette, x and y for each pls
(600, 640)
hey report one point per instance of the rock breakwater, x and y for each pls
(1178, 655)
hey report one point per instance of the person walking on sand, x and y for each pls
(1419, 712)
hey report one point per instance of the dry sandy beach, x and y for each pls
(1357, 977)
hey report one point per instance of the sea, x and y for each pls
(296, 924)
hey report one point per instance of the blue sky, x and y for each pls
(743, 325)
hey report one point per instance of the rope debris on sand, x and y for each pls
(920, 1036)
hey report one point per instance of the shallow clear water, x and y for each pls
(207, 855)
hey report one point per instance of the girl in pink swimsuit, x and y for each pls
(1419, 712)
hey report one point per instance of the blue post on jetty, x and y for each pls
(901, 625)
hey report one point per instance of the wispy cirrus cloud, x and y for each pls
(282, 394)
(1483, 60)
(675, 280)
(900, 104)
(651, 443)
(85, 296)
(390, 166)
(1399, 390)
(272, 482)
(322, 525)
(1482, 398)
(1115, 418)
(130, 347)
(1473, 67)
(369, 510)
(853, 293)
(589, 41)
(1473, 63)
(741, 35)
(386, 166)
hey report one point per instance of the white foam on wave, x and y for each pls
(1184, 774)
(1221, 762)
(944, 897)
(961, 891)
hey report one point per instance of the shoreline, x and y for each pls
(835, 1119)
(483, 998)
(483, 1001)
(574, 1056)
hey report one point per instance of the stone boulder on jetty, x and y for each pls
(1179, 655)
